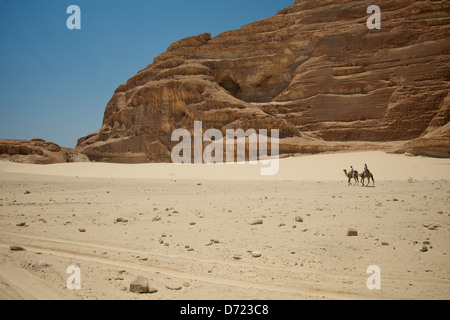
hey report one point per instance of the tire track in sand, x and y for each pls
(298, 291)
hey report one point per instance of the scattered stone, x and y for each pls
(192, 223)
(16, 248)
(258, 221)
(140, 285)
(426, 242)
(173, 288)
(352, 232)
(237, 258)
(282, 225)
(38, 266)
(383, 243)
(119, 219)
(27, 192)
(157, 218)
(21, 224)
(395, 199)
(424, 249)
(256, 254)
(82, 230)
(298, 219)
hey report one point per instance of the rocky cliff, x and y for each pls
(38, 151)
(314, 71)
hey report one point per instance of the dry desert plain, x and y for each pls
(190, 229)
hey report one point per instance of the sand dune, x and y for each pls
(189, 229)
(313, 167)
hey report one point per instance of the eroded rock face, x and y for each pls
(38, 151)
(314, 71)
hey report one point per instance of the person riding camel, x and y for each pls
(365, 169)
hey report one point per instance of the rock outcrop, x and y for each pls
(314, 71)
(38, 151)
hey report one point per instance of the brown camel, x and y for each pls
(351, 175)
(367, 174)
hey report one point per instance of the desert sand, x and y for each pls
(192, 230)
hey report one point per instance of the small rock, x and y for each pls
(352, 232)
(140, 285)
(424, 249)
(82, 230)
(38, 266)
(298, 219)
(259, 221)
(173, 288)
(395, 199)
(383, 243)
(256, 254)
(16, 248)
(119, 219)
(192, 223)
(21, 224)
(426, 242)
(237, 258)
(27, 192)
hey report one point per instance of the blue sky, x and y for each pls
(55, 82)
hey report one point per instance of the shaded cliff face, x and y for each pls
(314, 71)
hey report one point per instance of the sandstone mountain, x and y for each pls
(314, 71)
(38, 151)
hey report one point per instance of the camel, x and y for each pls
(349, 175)
(367, 174)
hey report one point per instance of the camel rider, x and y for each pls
(365, 169)
(352, 170)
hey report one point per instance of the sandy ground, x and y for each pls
(188, 229)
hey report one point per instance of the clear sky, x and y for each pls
(55, 82)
